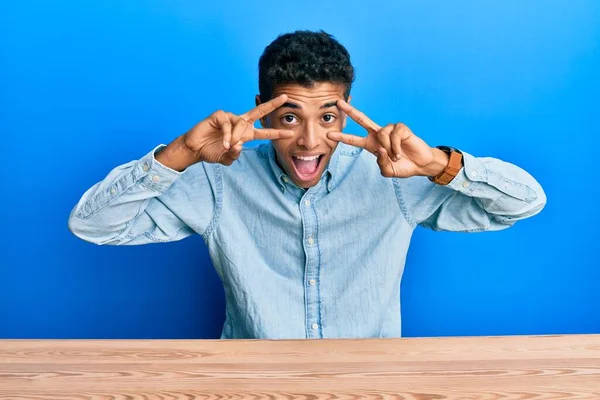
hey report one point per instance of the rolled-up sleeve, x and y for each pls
(143, 201)
(487, 194)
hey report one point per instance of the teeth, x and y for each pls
(309, 158)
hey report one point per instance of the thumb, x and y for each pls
(233, 154)
(385, 164)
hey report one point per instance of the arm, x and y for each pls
(144, 201)
(486, 194)
(168, 195)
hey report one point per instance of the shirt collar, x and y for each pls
(328, 178)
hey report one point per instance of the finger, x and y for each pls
(396, 139)
(225, 125)
(236, 150)
(358, 116)
(233, 154)
(264, 109)
(240, 129)
(385, 164)
(270, 134)
(226, 159)
(384, 137)
(347, 138)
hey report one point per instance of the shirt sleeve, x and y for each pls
(143, 201)
(487, 194)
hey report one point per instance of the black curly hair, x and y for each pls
(304, 57)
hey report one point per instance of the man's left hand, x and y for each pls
(400, 153)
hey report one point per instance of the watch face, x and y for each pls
(448, 149)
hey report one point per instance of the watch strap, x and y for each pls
(452, 168)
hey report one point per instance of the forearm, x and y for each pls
(487, 194)
(436, 167)
(504, 190)
(109, 209)
(177, 156)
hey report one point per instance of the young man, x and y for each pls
(308, 232)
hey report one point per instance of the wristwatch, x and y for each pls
(451, 170)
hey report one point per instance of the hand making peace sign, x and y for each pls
(219, 138)
(400, 153)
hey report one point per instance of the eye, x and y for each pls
(289, 119)
(329, 118)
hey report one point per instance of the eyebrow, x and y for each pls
(294, 105)
(330, 104)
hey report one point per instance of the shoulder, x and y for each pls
(355, 158)
(253, 161)
(358, 168)
(253, 155)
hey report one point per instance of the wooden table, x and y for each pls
(513, 367)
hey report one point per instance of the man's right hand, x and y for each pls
(211, 139)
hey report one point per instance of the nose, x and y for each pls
(309, 138)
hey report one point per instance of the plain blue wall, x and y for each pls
(86, 86)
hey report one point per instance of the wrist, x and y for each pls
(452, 167)
(177, 155)
(436, 167)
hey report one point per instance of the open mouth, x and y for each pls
(307, 167)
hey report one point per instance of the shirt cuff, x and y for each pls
(153, 174)
(470, 175)
(475, 177)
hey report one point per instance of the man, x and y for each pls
(309, 232)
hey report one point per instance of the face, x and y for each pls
(310, 112)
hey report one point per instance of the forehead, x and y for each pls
(313, 96)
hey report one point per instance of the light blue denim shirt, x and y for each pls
(319, 263)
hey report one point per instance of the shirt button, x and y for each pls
(315, 326)
(113, 190)
(465, 184)
(146, 167)
(307, 203)
(312, 282)
(311, 240)
(474, 173)
(286, 179)
(155, 178)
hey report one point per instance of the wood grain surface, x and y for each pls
(490, 368)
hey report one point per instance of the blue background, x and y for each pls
(86, 86)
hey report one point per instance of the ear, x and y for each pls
(258, 102)
(346, 115)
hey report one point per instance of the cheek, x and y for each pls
(338, 126)
(332, 144)
(281, 145)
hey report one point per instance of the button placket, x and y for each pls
(311, 273)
